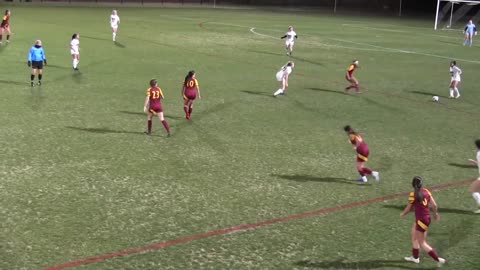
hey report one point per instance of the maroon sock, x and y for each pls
(367, 171)
(415, 252)
(190, 109)
(149, 126)
(1, 37)
(185, 109)
(165, 124)
(8, 37)
(433, 254)
(357, 87)
(361, 172)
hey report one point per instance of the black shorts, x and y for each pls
(37, 64)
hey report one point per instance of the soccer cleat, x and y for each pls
(457, 97)
(147, 133)
(477, 211)
(168, 135)
(76, 69)
(32, 84)
(441, 262)
(363, 179)
(376, 176)
(8, 41)
(188, 116)
(412, 259)
(39, 83)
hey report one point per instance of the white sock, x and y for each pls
(456, 91)
(114, 35)
(75, 63)
(278, 92)
(451, 92)
(476, 197)
(364, 178)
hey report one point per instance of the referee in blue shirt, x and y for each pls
(36, 60)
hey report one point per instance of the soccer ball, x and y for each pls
(435, 98)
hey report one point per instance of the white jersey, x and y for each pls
(75, 46)
(478, 162)
(291, 36)
(114, 20)
(455, 72)
(283, 73)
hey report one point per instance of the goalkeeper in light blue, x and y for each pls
(470, 30)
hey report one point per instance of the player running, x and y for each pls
(420, 200)
(475, 186)
(75, 50)
(36, 60)
(455, 79)
(153, 106)
(469, 31)
(5, 26)
(350, 78)
(114, 22)
(282, 76)
(290, 36)
(362, 155)
(190, 91)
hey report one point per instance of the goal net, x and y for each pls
(454, 14)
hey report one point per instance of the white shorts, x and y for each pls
(456, 78)
(289, 43)
(74, 51)
(115, 26)
(279, 76)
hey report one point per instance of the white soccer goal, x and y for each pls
(454, 14)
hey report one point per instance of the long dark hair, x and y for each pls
(417, 186)
(74, 36)
(348, 129)
(477, 143)
(189, 76)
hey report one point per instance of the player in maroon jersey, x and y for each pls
(5, 26)
(420, 200)
(153, 106)
(190, 91)
(350, 78)
(362, 155)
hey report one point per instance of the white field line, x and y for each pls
(399, 31)
(379, 48)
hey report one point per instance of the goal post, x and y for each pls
(451, 14)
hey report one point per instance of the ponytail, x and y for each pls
(188, 77)
(417, 186)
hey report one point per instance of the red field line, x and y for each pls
(238, 228)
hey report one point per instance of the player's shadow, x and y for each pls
(120, 45)
(296, 58)
(258, 93)
(57, 66)
(144, 114)
(440, 210)
(77, 76)
(370, 264)
(327, 91)
(262, 52)
(14, 82)
(426, 93)
(95, 38)
(463, 166)
(104, 130)
(310, 178)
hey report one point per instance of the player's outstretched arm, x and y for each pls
(407, 209)
(145, 106)
(283, 37)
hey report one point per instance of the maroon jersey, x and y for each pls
(422, 209)
(191, 87)
(154, 94)
(350, 70)
(5, 20)
(357, 140)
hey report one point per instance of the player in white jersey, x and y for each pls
(282, 76)
(469, 31)
(75, 50)
(290, 36)
(114, 22)
(475, 186)
(455, 73)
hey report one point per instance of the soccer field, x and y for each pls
(83, 188)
